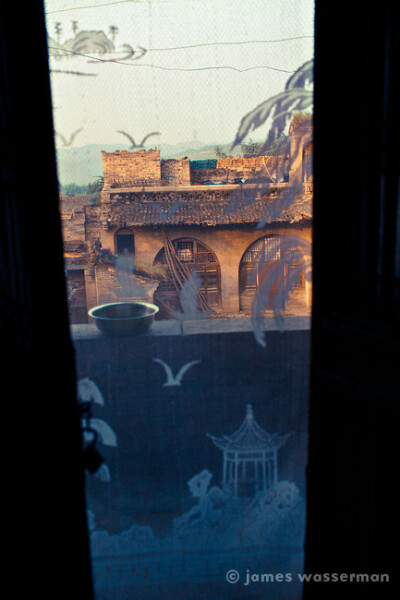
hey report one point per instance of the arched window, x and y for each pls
(265, 253)
(255, 258)
(198, 259)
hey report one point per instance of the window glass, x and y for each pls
(183, 132)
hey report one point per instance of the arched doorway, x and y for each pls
(196, 258)
(281, 259)
(124, 242)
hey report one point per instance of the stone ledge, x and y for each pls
(200, 327)
(194, 187)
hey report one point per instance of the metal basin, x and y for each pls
(124, 318)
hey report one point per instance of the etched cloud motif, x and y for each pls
(56, 50)
(86, 42)
(91, 44)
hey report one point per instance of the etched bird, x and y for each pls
(132, 141)
(71, 139)
(171, 379)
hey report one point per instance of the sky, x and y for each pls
(240, 54)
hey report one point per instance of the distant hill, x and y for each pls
(82, 164)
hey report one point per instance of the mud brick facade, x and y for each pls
(217, 231)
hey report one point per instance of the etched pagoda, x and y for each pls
(250, 458)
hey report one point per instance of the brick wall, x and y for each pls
(73, 227)
(245, 167)
(73, 219)
(93, 224)
(175, 171)
(145, 168)
(229, 168)
(127, 166)
(202, 175)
